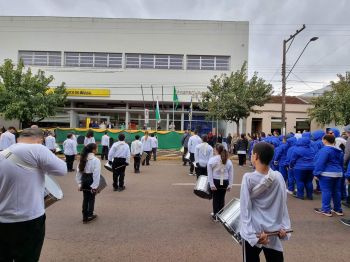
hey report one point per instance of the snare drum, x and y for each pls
(229, 216)
(53, 191)
(108, 167)
(58, 149)
(187, 156)
(143, 157)
(202, 188)
(102, 185)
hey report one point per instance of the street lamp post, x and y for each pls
(284, 77)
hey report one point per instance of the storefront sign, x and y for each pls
(87, 92)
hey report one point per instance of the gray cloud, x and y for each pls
(271, 22)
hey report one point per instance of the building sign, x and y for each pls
(146, 116)
(87, 92)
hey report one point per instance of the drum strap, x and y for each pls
(264, 184)
(12, 157)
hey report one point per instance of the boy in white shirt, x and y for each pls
(154, 143)
(105, 146)
(136, 152)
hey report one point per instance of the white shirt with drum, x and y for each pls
(265, 210)
(70, 147)
(193, 142)
(146, 143)
(50, 142)
(105, 140)
(89, 140)
(93, 166)
(136, 147)
(22, 188)
(6, 140)
(154, 142)
(203, 153)
(119, 149)
(216, 170)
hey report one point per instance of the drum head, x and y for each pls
(203, 194)
(108, 167)
(53, 188)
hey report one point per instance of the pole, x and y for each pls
(284, 85)
(173, 125)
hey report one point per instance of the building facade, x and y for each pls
(116, 69)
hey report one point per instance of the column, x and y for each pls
(72, 116)
(182, 117)
(127, 116)
(167, 121)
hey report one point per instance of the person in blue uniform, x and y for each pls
(292, 141)
(317, 144)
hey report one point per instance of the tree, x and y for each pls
(28, 97)
(333, 105)
(234, 97)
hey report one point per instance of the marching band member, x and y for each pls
(202, 155)
(119, 158)
(263, 202)
(22, 187)
(8, 138)
(329, 171)
(220, 177)
(154, 143)
(105, 146)
(89, 138)
(88, 179)
(70, 151)
(146, 147)
(136, 152)
(192, 143)
(184, 141)
(50, 142)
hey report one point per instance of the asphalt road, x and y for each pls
(158, 218)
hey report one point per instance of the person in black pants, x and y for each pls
(146, 147)
(184, 142)
(220, 177)
(242, 149)
(119, 158)
(136, 151)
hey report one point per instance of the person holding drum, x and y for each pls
(203, 153)
(119, 158)
(263, 207)
(220, 177)
(88, 179)
(22, 185)
(192, 143)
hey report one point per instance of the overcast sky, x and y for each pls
(271, 21)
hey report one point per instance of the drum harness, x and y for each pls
(16, 160)
(264, 184)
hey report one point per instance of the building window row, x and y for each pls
(115, 60)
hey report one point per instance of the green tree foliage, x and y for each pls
(333, 105)
(28, 97)
(234, 97)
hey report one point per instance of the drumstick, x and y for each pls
(274, 233)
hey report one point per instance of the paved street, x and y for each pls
(158, 218)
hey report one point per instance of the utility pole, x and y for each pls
(285, 50)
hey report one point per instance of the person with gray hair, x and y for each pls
(22, 187)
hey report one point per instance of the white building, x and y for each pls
(112, 66)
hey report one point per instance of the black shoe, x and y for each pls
(295, 196)
(85, 220)
(137, 171)
(121, 189)
(184, 164)
(346, 204)
(91, 218)
(115, 189)
(345, 221)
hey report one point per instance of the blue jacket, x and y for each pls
(317, 136)
(330, 160)
(336, 131)
(281, 154)
(291, 146)
(303, 155)
(347, 173)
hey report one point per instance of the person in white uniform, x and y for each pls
(203, 153)
(22, 187)
(154, 142)
(70, 151)
(105, 146)
(146, 147)
(8, 138)
(220, 177)
(192, 143)
(119, 158)
(50, 142)
(88, 179)
(89, 138)
(263, 202)
(136, 152)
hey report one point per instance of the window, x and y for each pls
(40, 58)
(87, 59)
(207, 62)
(151, 61)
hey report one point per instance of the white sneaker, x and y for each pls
(289, 192)
(190, 174)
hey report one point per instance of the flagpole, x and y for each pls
(173, 116)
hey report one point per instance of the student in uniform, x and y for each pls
(329, 171)
(263, 202)
(203, 153)
(154, 142)
(88, 179)
(220, 177)
(146, 147)
(192, 143)
(50, 142)
(89, 138)
(184, 142)
(136, 152)
(119, 158)
(7, 138)
(242, 149)
(70, 151)
(280, 158)
(292, 141)
(317, 144)
(105, 146)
